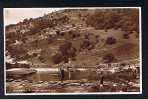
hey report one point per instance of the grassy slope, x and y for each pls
(124, 48)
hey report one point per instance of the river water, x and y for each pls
(47, 80)
(52, 74)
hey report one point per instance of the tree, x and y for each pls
(57, 58)
(126, 36)
(97, 38)
(87, 45)
(74, 34)
(50, 39)
(42, 59)
(71, 52)
(110, 40)
(65, 47)
(123, 64)
(86, 36)
(8, 65)
(126, 19)
(108, 58)
(59, 33)
(66, 51)
(17, 51)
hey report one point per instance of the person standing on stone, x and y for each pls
(101, 79)
(62, 74)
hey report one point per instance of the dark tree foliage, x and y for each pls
(8, 65)
(27, 56)
(65, 47)
(86, 36)
(65, 59)
(123, 64)
(42, 59)
(12, 36)
(34, 54)
(126, 19)
(108, 58)
(8, 43)
(74, 34)
(41, 24)
(17, 51)
(50, 39)
(87, 45)
(59, 33)
(66, 51)
(57, 58)
(97, 38)
(34, 30)
(71, 52)
(111, 40)
(126, 36)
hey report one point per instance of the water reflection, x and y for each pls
(52, 74)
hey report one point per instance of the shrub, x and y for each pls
(111, 40)
(108, 58)
(74, 34)
(65, 47)
(42, 59)
(66, 51)
(87, 45)
(126, 36)
(17, 51)
(126, 19)
(57, 58)
(97, 38)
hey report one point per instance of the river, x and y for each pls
(47, 80)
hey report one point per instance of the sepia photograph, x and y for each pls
(75, 50)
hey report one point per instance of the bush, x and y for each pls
(108, 58)
(41, 24)
(97, 38)
(126, 19)
(57, 58)
(66, 51)
(87, 45)
(126, 36)
(59, 33)
(42, 59)
(65, 47)
(111, 40)
(123, 64)
(17, 51)
(74, 34)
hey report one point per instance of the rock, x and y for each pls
(19, 80)
(39, 82)
(52, 82)
(89, 84)
(74, 84)
(20, 71)
(9, 80)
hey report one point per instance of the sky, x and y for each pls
(15, 15)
